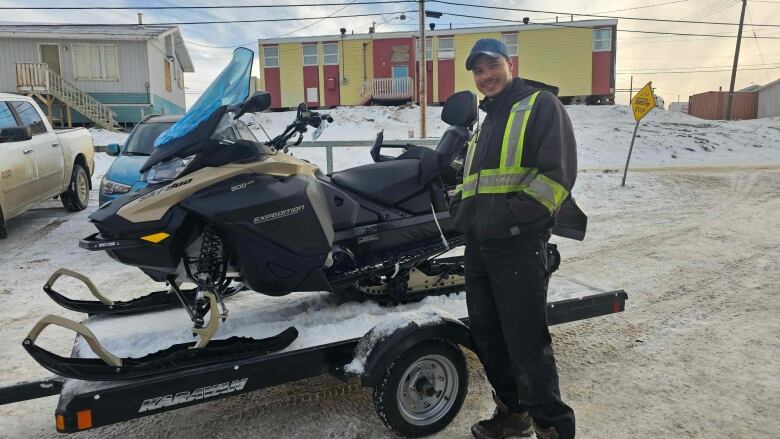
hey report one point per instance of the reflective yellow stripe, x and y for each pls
(546, 191)
(521, 141)
(514, 133)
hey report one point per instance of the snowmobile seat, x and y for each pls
(385, 182)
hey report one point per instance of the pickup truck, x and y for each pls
(37, 162)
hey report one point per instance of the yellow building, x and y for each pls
(578, 57)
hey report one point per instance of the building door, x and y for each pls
(399, 74)
(50, 54)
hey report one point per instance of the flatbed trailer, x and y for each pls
(86, 405)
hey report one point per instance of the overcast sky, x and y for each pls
(641, 54)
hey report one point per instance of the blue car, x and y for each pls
(123, 175)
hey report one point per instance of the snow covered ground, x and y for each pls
(696, 247)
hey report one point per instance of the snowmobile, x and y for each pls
(226, 213)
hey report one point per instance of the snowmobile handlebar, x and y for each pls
(303, 119)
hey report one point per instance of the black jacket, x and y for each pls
(549, 147)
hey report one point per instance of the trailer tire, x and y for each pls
(406, 400)
(3, 230)
(76, 197)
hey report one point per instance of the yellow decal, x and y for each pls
(643, 101)
(156, 238)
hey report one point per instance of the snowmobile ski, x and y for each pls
(156, 301)
(176, 358)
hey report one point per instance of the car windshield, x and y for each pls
(141, 141)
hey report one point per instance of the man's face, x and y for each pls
(491, 75)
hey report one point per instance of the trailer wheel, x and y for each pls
(3, 230)
(76, 197)
(423, 390)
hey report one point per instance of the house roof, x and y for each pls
(116, 32)
(446, 32)
(771, 84)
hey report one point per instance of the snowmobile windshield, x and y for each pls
(190, 134)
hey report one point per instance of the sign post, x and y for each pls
(641, 104)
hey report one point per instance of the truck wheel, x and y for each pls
(423, 390)
(76, 197)
(3, 230)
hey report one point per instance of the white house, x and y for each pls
(102, 74)
(769, 99)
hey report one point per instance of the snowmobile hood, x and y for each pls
(192, 133)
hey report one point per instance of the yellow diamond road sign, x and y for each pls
(643, 102)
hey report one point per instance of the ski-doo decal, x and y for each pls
(200, 393)
(280, 214)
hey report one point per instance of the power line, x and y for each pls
(619, 30)
(640, 70)
(756, 40)
(295, 5)
(182, 23)
(447, 2)
(707, 11)
(693, 71)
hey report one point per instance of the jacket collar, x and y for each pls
(513, 92)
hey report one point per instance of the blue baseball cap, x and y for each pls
(486, 46)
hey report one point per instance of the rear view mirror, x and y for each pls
(15, 134)
(461, 109)
(260, 101)
(112, 149)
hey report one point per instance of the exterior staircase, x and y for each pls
(35, 79)
(386, 89)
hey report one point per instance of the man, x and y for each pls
(519, 168)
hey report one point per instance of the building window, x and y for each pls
(602, 40)
(310, 55)
(167, 73)
(428, 49)
(511, 43)
(330, 54)
(95, 61)
(271, 56)
(446, 48)
(29, 116)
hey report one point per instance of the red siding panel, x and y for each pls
(446, 79)
(311, 79)
(602, 73)
(429, 80)
(331, 74)
(383, 54)
(273, 85)
(712, 105)
(515, 65)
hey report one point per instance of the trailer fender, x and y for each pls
(380, 347)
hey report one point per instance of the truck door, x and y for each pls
(18, 172)
(48, 152)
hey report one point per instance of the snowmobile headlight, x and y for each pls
(109, 187)
(167, 171)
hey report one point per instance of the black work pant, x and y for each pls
(506, 290)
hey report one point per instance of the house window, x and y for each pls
(310, 55)
(29, 116)
(167, 73)
(428, 49)
(271, 56)
(330, 54)
(511, 43)
(602, 40)
(446, 48)
(180, 77)
(95, 61)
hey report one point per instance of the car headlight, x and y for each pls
(109, 187)
(167, 171)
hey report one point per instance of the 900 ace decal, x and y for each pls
(201, 393)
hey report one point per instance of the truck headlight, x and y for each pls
(108, 187)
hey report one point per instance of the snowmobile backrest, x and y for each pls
(461, 109)
(450, 145)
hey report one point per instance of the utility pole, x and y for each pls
(631, 90)
(736, 61)
(421, 77)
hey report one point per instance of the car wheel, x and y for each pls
(3, 230)
(76, 197)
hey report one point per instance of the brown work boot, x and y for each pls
(545, 433)
(504, 424)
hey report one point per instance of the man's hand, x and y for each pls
(454, 204)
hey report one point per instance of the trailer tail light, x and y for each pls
(616, 306)
(60, 423)
(84, 419)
